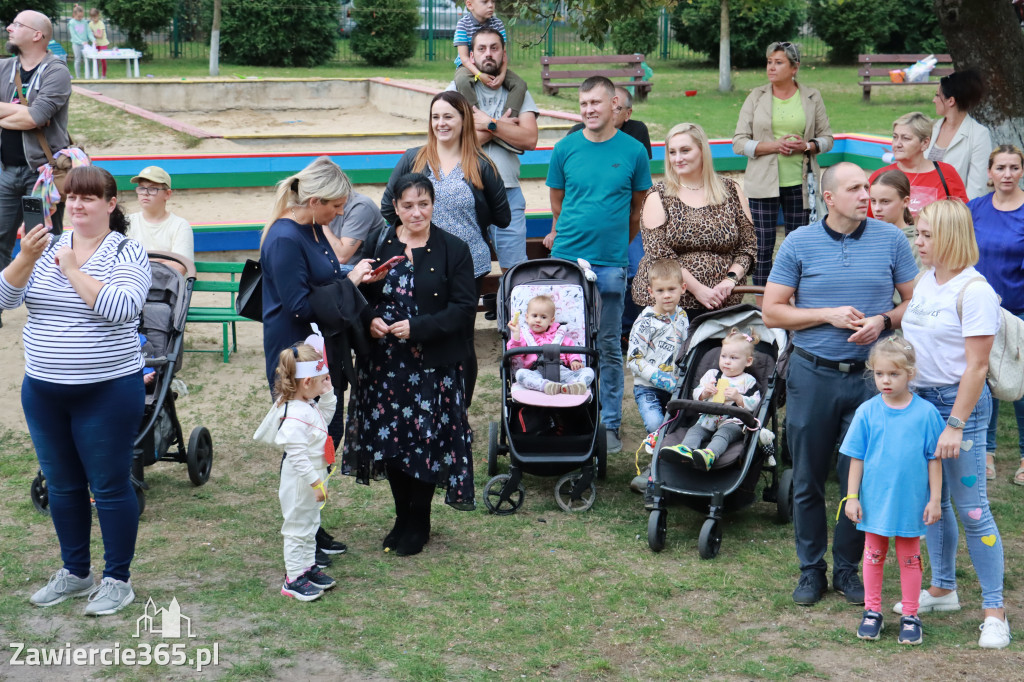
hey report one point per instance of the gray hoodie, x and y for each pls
(48, 96)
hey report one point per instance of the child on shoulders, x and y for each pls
(541, 329)
(480, 14)
(729, 384)
(893, 437)
(298, 423)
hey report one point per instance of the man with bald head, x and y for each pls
(42, 103)
(832, 285)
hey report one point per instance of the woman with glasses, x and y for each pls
(154, 226)
(781, 130)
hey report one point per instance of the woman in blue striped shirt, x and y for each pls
(83, 393)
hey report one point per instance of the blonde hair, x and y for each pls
(953, 242)
(897, 350)
(322, 179)
(748, 340)
(285, 383)
(918, 123)
(544, 300)
(77, 9)
(666, 268)
(94, 14)
(1005, 149)
(714, 188)
(472, 152)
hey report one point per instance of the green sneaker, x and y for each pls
(676, 453)
(63, 585)
(703, 459)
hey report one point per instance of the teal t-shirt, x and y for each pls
(895, 446)
(599, 179)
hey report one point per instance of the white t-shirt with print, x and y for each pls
(932, 325)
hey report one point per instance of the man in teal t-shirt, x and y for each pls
(598, 178)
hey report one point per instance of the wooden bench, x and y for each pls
(223, 315)
(879, 66)
(629, 72)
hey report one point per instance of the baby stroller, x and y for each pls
(733, 478)
(544, 435)
(160, 435)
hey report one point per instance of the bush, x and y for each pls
(636, 35)
(272, 33)
(10, 8)
(917, 29)
(753, 26)
(386, 33)
(136, 18)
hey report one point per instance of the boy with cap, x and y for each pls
(154, 226)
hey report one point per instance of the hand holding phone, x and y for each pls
(384, 267)
(32, 209)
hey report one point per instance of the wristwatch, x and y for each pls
(887, 321)
(732, 275)
(955, 423)
(493, 125)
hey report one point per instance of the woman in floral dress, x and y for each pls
(410, 422)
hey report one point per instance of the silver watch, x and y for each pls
(955, 423)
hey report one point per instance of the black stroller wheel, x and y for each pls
(503, 506)
(493, 432)
(200, 455)
(40, 494)
(784, 502)
(657, 529)
(710, 540)
(563, 494)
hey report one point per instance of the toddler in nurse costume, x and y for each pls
(298, 423)
(895, 482)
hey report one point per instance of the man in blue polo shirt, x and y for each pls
(598, 178)
(840, 273)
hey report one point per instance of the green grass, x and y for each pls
(539, 594)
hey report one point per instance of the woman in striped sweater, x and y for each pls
(83, 393)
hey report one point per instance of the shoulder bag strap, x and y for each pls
(942, 177)
(37, 130)
(960, 296)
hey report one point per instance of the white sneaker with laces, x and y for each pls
(111, 596)
(929, 604)
(995, 633)
(63, 585)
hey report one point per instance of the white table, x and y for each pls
(93, 56)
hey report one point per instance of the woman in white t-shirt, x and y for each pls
(953, 347)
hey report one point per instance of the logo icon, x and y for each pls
(164, 622)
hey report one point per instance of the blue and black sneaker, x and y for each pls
(910, 630)
(871, 626)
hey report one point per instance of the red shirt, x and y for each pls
(927, 187)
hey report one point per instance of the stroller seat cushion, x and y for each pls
(571, 310)
(526, 396)
(722, 460)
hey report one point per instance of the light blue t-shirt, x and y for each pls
(895, 446)
(829, 269)
(599, 179)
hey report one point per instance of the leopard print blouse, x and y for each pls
(705, 241)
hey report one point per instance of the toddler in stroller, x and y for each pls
(729, 384)
(541, 329)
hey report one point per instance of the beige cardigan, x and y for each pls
(761, 179)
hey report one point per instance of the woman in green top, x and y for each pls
(781, 130)
(78, 29)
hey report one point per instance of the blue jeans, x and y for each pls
(1018, 411)
(83, 435)
(510, 242)
(963, 482)
(651, 404)
(15, 182)
(611, 284)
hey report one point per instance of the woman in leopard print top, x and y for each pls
(701, 221)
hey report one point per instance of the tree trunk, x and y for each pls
(724, 52)
(215, 40)
(985, 34)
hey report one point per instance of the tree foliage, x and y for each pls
(917, 29)
(136, 18)
(386, 31)
(850, 27)
(272, 33)
(636, 35)
(593, 19)
(754, 25)
(10, 8)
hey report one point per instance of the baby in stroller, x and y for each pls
(541, 329)
(730, 383)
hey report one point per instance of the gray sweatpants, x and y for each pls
(726, 434)
(534, 380)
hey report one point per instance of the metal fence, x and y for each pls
(188, 38)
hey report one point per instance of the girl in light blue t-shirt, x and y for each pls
(895, 483)
(78, 29)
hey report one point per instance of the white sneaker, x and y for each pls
(995, 633)
(928, 604)
(63, 585)
(110, 597)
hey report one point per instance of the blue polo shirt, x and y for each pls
(829, 269)
(599, 179)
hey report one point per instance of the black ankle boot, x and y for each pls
(418, 529)
(399, 483)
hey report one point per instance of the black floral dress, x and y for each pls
(407, 415)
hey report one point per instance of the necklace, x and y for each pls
(692, 189)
